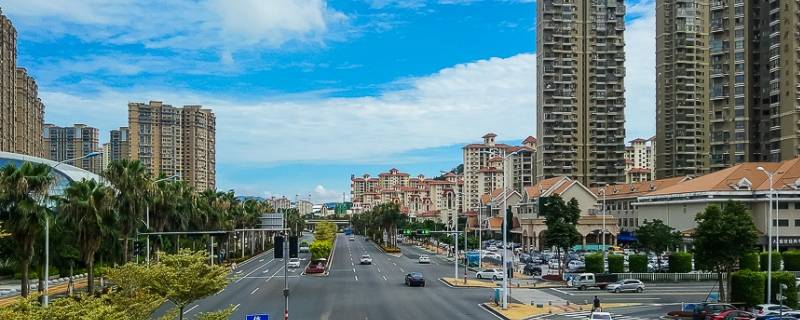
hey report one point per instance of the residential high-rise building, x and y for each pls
(8, 67)
(64, 143)
(682, 87)
(21, 110)
(174, 141)
(483, 168)
(640, 163)
(580, 90)
(29, 116)
(106, 150)
(119, 146)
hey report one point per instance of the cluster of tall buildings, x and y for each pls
(167, 140)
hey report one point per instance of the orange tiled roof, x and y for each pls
(489, 135)
(637, 189)
(544, 186)
(529, 139)
(481, 145)
(495, 223)
(786, 175)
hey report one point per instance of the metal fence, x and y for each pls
(670, 277)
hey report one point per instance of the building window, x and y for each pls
(781, 205)
(781, 223)
(797, 222)
(797, 205)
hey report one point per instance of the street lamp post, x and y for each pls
(45, 296)
(147, 221)
(769, 237)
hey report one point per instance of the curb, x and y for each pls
(465, 287)
(330, 258)
(491, 311)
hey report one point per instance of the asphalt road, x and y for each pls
(630, 313)
(655, 293)
(350, 291)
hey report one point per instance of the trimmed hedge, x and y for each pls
(748, 287)
(791, 260)
(788, 279)
(616, 263)
(680, 262)
(594, 263)
(637, 263)
(776, 261)
(749, 261)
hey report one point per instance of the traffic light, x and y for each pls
(278, 249)
(293, 247)
(136, 248)
(423, 232)
(407, 232)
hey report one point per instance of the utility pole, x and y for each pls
(285, 276)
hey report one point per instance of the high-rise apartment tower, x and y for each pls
(580, 90)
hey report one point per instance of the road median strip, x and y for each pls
(520, 311)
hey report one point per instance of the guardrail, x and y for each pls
(671, 277)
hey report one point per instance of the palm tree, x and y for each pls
(130, 179)
(88, 207)
(22, 204)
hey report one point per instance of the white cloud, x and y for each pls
(324, 195)
(204, 24)
(454, 105)
(640, 65)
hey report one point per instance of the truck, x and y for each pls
(584, 281)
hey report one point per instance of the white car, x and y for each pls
(494, 274)
(293, 263)
(424, 259)
(770, 309)
(575, 265)
(553, 264)
(366, 259)
(626, 285)
(492, 248)
(600, 316)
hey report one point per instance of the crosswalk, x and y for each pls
(585, 315)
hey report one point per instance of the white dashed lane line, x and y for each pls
(254, 290)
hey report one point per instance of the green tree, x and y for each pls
(320, 249)
(657, 237)
(561, 219)
(294, 221)
(723, 235)
(176, 278)
(88, 207)
(131, 179)
(22, 207)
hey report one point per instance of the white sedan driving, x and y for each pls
(493, 274)
(293, 263)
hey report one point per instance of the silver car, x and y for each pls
(626, 285)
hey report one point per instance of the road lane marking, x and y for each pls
(559, 291)
(190, 309)
(356, 278)
(379, 268)
(384, 278)
(236, 306)
(254, 290)
(401, 270)
(354, 270)
(265, 271)
(223, 289)
(260, 260)
(273, 275)
(254, 270)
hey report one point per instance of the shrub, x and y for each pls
(616, 263)
(749, 261)
(637, 263)
(791, 260)
(748, 287)
(680, 262)
(594, 263)
(776, 261)
(320, 249)
(790, 293)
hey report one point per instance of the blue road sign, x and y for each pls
(262, 316)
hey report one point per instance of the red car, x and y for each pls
(316, 267)
(731, 315)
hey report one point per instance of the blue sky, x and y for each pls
(308, 92)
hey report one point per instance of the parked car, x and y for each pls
(316, 266)
(553, 264)
(492, 248)
(293, 263)
(352, 238)
(626, 285)
(584, 281)
(494, 274)
(366, 259)
(600, 316)
(776, 317)
(770, 309)
(700, 310)
(304, 247)
(424, 259)
(532, 270)
(415, 279)
(732, 315)
(574, 265)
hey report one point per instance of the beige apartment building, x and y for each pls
(682, 87)
(418, 197)
(174, 141)
(580, 90)
(119, 145)
(21, 110)
(640, 161)
(64, 143)
(483, 168)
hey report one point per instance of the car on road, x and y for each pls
(626, 285)
(304, 247)
(584, 281)
(600, 316)
(415, 279)
(352, 238)
(776, 317)
(366, 259)
(424, 259)
(770, 309)
(575, 265)
(494, 274)
(317, 266)
(492, 248)
(293, 263)
(732, 315)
